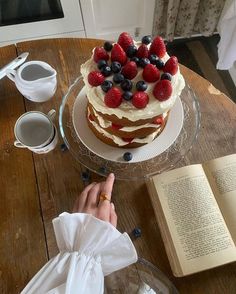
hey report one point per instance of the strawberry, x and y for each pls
(140, 99)
(162, 90)
(116, 127)
(95, 78)
(128, 140)
(142, 51)
(151, 73)
(118, 54)
(130, 70)
(159, 120)
(113, 98)
(125, 40)
(158, 47)
(91, 117)
(100, 53)
(171, 66)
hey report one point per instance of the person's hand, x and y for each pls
(95, 199)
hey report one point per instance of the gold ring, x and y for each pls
(104, 197)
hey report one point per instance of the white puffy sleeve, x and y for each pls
(89, 250)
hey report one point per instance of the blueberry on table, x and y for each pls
(131, 51)
(166, 76)
(115, 66)
(101, 63)
(137, 232)
(146, 40)
(118, 78)
(136, 60)
(141, 86)
(127, 95)
(127, 156)
(106, 85)
(107, 46)
(126, 85)
(159, 64)
(63, 147)
(144, 61)
(106, 71)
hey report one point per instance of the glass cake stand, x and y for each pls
(123, 170)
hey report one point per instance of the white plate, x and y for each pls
(160, 144)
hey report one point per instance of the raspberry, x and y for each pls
(130, 70)
(125, 40)
(171, 66)
(95, 78)
(150, 73)
(142, 51)
(113, 98)
(118, 54)
(116, 127)
(158, 47)
(140, 99)
(159, 120)
(100, 53)
(162, 90)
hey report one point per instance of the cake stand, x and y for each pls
(123, 170)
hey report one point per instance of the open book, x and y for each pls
(195, 208)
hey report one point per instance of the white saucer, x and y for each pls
(160, 144)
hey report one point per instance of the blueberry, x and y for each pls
(106, 85)
(106, 71)
(136, 232)
(127, 95)
(101, 63)
(135, 59)
(159, 64)
(63, 147)
(107, 46)
(141, 86)
(131, 51)
(115, 66)
(146, 40)
(126, 85)
(153, 58)
(118, 78)
(143, 62)
(127, 156)
(166, 76)
(85, 176)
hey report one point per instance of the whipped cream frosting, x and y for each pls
(126, 109)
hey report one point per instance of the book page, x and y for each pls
(221, 173)
(196, 225)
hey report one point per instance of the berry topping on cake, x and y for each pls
(116, 127)
(140, 99)
(127, 95)
(95, 78)
(135, 59)
(125, 40)
(158, 47)
(118, 54)
(131, 51)
(106, 85)
(107, 46)
(141, 86)
(100, 53)
(171, 65)
(113, 98)
(106, 71)
(160, 64)
(142, 51)
(143, 62)
(166, 76)
(127, 156)
(118, 78)
(151, 74)
(153, 58)
(126, 85)
(130, 70)
(146, 40)
(159, 120)
(101, 63)
(162, 90)
(115, 66)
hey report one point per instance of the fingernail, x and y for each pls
(111, 175)
(112, 206)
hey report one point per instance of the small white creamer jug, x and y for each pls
(36, 80)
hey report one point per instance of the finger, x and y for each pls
(92, 199)
(113, 216)
(107, 189)
(81, 199)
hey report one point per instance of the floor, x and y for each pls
(200, 55)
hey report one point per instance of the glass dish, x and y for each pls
(139, 278)
(128, 170)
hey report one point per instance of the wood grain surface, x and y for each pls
(57, 179)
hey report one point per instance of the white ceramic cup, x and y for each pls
(34, 129)
(35, 80)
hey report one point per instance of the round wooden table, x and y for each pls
(36, 188)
